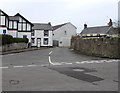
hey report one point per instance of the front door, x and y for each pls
(38, 42)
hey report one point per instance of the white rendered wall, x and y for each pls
(40, 34)
(20, 34)
(13, 33)
(3, 28)
(59, 34)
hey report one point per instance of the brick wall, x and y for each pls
(102, 47)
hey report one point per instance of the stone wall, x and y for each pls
(14, 46)
(102, 47)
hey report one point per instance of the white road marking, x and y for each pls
(50, 53)
(31, 65)
(3, 67)
(99, 61)
(68, 63)
(78, 69)
(18, 66)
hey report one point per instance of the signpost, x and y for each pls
(4, 31)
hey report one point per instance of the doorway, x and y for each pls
(38, 42)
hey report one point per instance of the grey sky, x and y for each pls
(78, 12)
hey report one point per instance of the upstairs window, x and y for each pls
(46, 33)
(65, 32)
(2, 20)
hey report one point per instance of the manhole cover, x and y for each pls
(14, 82)
(78, 70)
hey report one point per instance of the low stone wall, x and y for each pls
(14, 46)
(102, 47)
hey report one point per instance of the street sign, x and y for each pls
(4, 31)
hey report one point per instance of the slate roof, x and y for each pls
(100, 30)
(58, 26)
(16, 18)
(41, 26)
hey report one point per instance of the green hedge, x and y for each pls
(20, 40)
(8, 39)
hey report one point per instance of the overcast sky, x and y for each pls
(78, 12)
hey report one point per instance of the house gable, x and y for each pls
(23, 25)
(3, 19)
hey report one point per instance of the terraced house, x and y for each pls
(42, 35)
(100, 31)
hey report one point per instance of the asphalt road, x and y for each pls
(58, 69)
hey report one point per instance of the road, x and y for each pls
(58, 69)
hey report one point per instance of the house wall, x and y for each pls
(62, 37)
(102, 47)
(13, 33)
(40, 34)
(20, 35)
(3, 28)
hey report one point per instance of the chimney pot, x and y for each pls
(85, 26)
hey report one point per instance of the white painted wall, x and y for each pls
(40, 34)
(20, 34)
(3, 28)
(13, 33)
(59, 34)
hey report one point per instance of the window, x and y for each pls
(24, 36)
(10, 24)
(14, 25)
(45, 41)
(19, 26)
(33, 40)
(28, 27)
(33, 33)
(65, 32)
(46, 32)
(2, 21)
(24, 26)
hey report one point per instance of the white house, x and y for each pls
(24, 27)
(3, 22)
(62, 34)
(42, 35)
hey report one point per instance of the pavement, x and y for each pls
(20, 50)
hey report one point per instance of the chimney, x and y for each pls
(85, 26)
(110, 23)
(49, 23)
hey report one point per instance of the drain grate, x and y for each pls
(14, 82)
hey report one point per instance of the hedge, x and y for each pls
(8, 39)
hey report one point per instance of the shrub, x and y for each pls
(20, 40)
(7, 39)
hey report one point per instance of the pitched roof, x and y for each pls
(3, 13)
(23, 18)
(96, 30)
(58, 26)
(16, 18)
(41, 26)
